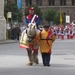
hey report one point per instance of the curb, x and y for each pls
(8, 41)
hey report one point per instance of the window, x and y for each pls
(39, 2)
(28, 2)
(51, 2)
(73, 2)
(62, 2)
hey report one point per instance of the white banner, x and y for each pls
(67, 19)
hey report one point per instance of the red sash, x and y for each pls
(48, 36)
(33, 19)
(50, 33)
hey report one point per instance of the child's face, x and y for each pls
(46, 29)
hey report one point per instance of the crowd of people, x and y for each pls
(64, 32)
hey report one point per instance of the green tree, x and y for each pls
(36, 9)
(50, 15)
(57, 18)
(53, 16)
(16, 14)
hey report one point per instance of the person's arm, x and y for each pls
(27, 21)
(37, 21)
(53, 37)
(36, 38)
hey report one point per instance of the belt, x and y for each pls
(46, 39)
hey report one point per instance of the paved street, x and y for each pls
(64, 47)
(13, 60)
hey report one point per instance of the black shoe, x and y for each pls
(47, 65)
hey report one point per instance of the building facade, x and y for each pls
(67, 6)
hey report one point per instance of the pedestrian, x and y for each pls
(13, 35)
(45, 39)
(17, 32)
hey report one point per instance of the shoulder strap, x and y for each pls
(32, 21)
(49, 34)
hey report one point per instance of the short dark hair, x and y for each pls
(46, 26)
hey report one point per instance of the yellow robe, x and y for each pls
(44, 42)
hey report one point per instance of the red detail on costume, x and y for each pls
(34, 19)
(31, 8)
(49, 33)
(68, 37)
(24, 46)
(29, 17)
(32, 46)
(35, 50)
(62, 37)
(50, 52)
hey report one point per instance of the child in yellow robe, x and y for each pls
(45, 39)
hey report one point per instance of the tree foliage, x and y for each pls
(57, 18)
(51, 15)
(16, 14)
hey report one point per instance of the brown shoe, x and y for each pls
(29, 64)
(36, 62)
